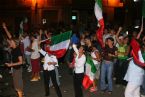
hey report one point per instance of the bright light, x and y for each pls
(34, 3)
(113, 2)
(136, 0)
(126, 32)
(44, 21)
(136, 27)
(74, 17)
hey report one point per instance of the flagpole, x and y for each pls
(142, 21)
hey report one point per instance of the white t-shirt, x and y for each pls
(26, 42)
(35, 54)
(48, 58)
(79, 62)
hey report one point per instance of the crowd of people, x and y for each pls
(113, 61)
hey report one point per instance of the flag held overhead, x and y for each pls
(59, 44)
(99, 16)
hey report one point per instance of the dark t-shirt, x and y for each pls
(88, 49)
(15, 54)
(107, 51)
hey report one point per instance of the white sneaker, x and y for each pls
(29, 69)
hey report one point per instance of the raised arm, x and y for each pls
(39, 40)
(40, 35)
(75, 49)
(46, 34)
(117, 35)
(6, 30)
(42, 52)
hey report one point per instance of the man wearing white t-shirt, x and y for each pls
(27, 53)
(50, 63)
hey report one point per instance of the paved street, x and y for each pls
(36, 89)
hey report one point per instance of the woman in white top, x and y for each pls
(79, 65)
(35, 59)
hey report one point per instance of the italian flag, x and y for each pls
(136, 50)
(89, 73)
(136, 53)
(99, 16)
(59, 44)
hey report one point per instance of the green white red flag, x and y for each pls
(59, 44)
(90, 71)
(136, 53)
(99, 16)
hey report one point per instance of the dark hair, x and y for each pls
(34, 35)
(110, 38)
(78, 46)
(88, 37)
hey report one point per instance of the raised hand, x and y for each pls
(4, 25)
(40, 32)
(9, 64)
(120, 29)
(141, 29)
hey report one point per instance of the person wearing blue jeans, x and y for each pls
(106, 71)
(109, 53)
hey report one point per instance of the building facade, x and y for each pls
(37, 11)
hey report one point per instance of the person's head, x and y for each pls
(82, 36)
(94, 48)
(13, 43)
(105, 31)
(87, 40)
(112, 31)
(121, 38)
(81, 49)
(25, 20)
(126, 40)
(134, 34)
(24, 35)
(93, 38)
(110, 41)
(33, 37)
